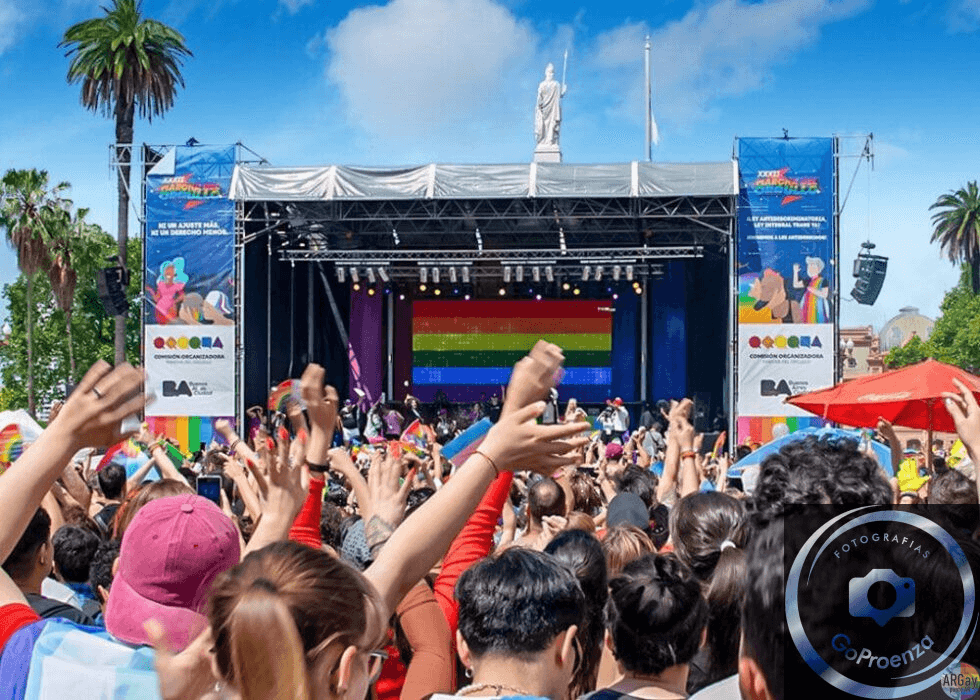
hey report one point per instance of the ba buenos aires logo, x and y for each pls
(777, 182)
(181, 187)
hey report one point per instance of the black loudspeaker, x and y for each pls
(111, 284)
(870, 272)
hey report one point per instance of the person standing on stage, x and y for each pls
(620, 417)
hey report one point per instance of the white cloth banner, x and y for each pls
(780, 360)
(191, 370)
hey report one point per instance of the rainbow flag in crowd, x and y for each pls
(466, 443)
(468, 348)
(188, 431)
(416, 438)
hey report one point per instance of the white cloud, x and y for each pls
(433, 72)
(10, 20)
(722, 50)
(964, 16)
(294, 6)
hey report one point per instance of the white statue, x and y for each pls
(547, 111)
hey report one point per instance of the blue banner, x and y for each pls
(189, 282)
(786, 230)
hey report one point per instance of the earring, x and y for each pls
(469, 673)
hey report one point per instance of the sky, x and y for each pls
(316, 82)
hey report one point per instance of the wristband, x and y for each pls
(496, 471)
(689, 454)
(234, 444)
(318, 468)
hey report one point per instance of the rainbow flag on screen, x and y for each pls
(468, 348)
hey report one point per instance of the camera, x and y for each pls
(860, 606)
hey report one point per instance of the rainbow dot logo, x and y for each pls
(960, 681)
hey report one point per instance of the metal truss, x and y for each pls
(617, 256)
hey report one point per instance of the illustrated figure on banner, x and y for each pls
(817, 289)
(170, 290)
(547, 111)
(770, 294)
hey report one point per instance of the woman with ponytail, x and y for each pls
(709, 534)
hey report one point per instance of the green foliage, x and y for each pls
(955, 338)
(92, 330)
(956, 227)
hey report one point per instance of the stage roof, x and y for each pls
(252, 182)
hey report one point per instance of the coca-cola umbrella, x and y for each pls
(911, 397)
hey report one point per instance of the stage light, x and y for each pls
(507, 274)
(387, 290)
(502, 291)
(536, 273)
(566, 286)
(519, 274)
(616, 272)
(466, 274)
(615, 297)
(549, 274)
(598, 273)
(435, 275)
(383, 274)
(636, 285)
(401, 297)
(576, 291)
(371, 278)
(437, 291)
(341, 275)
(423, 287)
(423, 275)
(467, 297)
(353, 275)
(357, 287)
(638, 289)
(585, 273)
(538, 297)
(608, 290)
(452, 275)
(629, 272)
(371, 292)
(456, 291)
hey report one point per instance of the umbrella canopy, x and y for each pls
(911, 397)
(882, 452)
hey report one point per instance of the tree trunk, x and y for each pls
(71, 349)
(30, 345)
(975, 273)
(124, 152)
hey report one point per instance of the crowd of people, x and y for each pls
(555, 561)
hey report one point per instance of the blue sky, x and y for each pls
(305, 82)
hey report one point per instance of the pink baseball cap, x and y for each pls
(170, 555)
(614, 450)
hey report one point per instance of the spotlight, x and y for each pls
(341, 275)
(383, 274)
(437, 291)
(353, 275)
(566, 286)
(638, 289)
(598, 273)
(466, 274)
(452, 275)
(549, 274)
(519, 276)
(616, 272)
(370, 274)
(577, 291)
(456, 291)
(423, 275)
(629, 272)
(636, 285)
(401, 297)
(530, 291)
(538, 297)
(467, 297)
(507, 271)
(357, 286)
(371, 292)
(536, 273)
(502, 291)
(422, 287)
(615, 297)
(435, 275)
(585, 273)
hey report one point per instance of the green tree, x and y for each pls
(956, 227)
(915, 350)
(125, 62)
(31, 214)
(88, 323)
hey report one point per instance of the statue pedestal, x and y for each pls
(547, 153)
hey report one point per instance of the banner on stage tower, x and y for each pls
(188, 315)
(786, 257)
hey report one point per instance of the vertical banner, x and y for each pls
(188, 311)
(786, 259)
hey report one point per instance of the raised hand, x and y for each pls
(389, 497)
(186, 675)
(518, 442)
(533, 377)
(321, 406)
(962, 406)
(94, 412)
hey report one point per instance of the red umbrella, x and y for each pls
(910, 397)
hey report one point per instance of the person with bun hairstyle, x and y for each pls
(655, 622)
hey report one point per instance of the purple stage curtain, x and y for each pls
(366, 346)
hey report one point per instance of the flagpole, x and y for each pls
(646, 104)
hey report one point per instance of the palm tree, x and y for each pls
(67, 238)
(125, 62)
(956, 227)
(29, 212)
